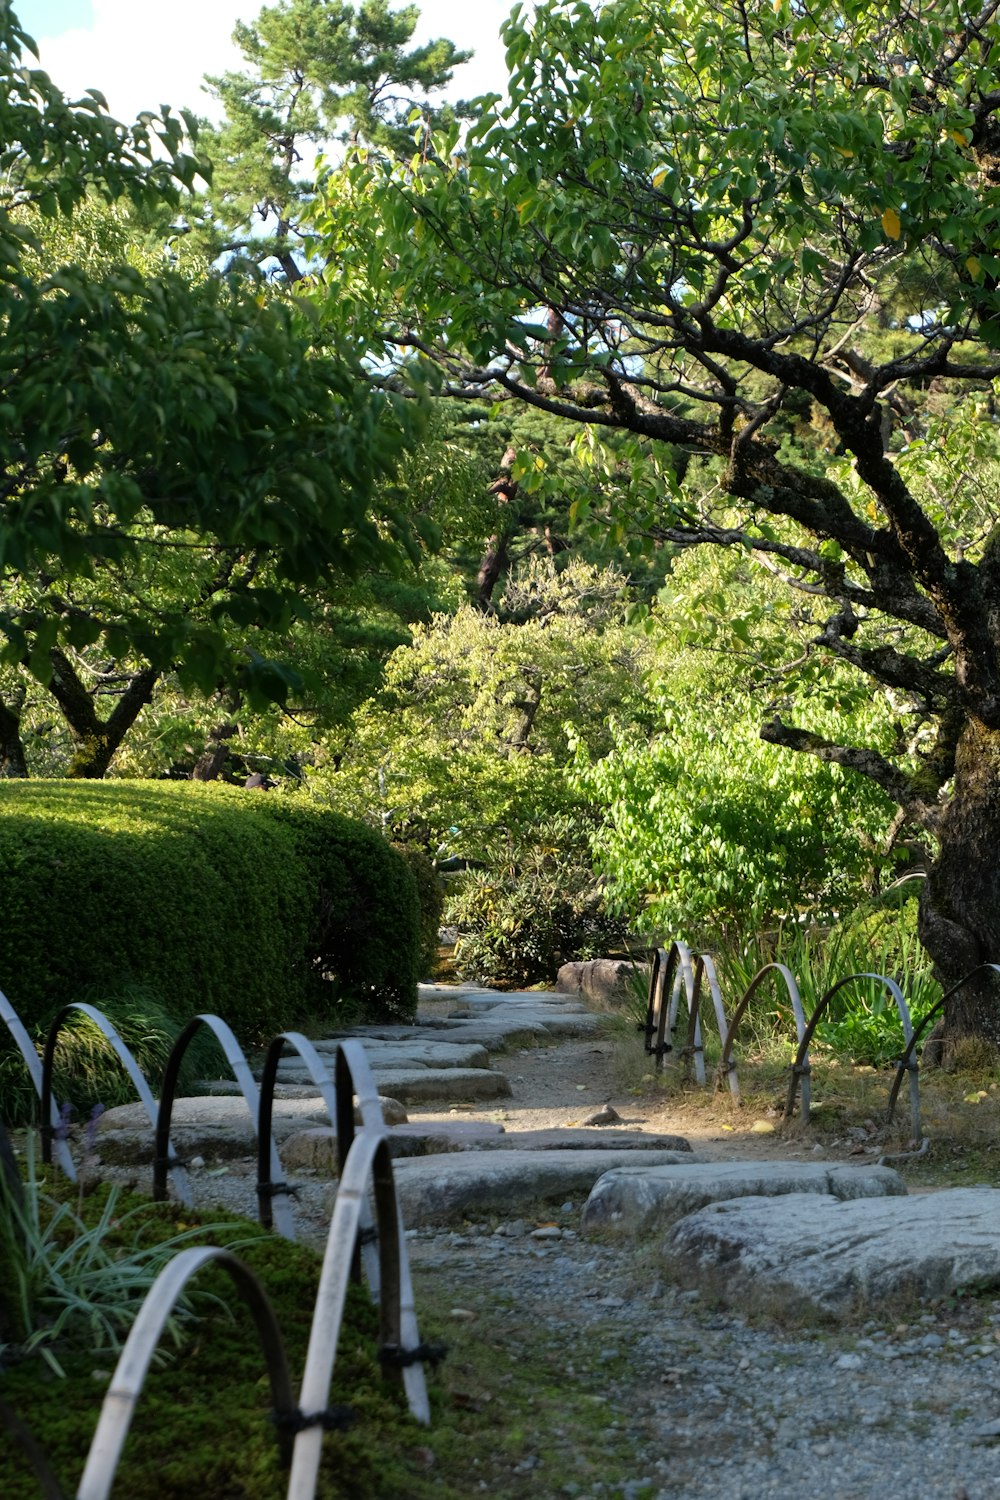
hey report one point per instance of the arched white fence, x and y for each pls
(677, 974)
(366, 1230)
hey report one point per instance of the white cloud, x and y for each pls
(157, 52)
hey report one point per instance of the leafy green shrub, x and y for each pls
(518, 926)
(430, 896)
(861, 1023)
(207, 897)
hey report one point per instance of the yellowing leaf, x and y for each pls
(958, 137)
(973, 267)
(891, 224)
(844, 151)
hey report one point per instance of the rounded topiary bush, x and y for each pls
(207, 897)
(430, 900)
(364, 911)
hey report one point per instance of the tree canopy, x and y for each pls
(764, 235)
(317, 72)
(179, 455)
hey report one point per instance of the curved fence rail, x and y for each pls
(135, 1073)
(33, 1063)
(299, 1426)
(140, 1347)
(678, 972)
(366, 1233)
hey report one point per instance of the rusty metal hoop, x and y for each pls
(798, 1068)
(906, 1061)
(339, 1101)
(368, 1160)
(801, 1064)
(136, 1076)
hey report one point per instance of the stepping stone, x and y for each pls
(317, 1148)
(489, 1030)
(441, 1189)
(448, 1085)
(584, 1140)
(217, 1127)
(815, 1254)
(475, 1004)
(638, 1200)
(414, 1053)
(554, 1022)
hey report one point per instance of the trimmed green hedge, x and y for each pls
(255, 906)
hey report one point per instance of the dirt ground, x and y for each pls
(559, 1085)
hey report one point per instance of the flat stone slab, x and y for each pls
(553, 1023)
(489, 1030)
(317, 1148)
(412, 1052)
(541, 1000)
(571, 1139)
(819, 1255)
(637, 1200)
(213, 1126)
(441, 1189)
(448, 1085)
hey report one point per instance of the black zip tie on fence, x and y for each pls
(368, 1236)
(660, 1050)
(422, 1354)
(276, 1190)
(333, 1419)
(801, 1070)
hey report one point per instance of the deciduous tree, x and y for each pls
(718, 207)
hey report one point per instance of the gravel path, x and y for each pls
(711, 1406)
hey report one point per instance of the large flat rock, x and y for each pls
(820, 1255)
(638, 1200)
(216, 1127)
(442, 1189)
(492, 1030)
(436, 1085)
(412, 1052)
(316, 1148)
(562, 1138)
(474, 1003)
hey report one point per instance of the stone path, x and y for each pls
(792, 1231)
(607, 1270)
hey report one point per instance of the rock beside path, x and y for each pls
(638, 1200)
(609, 981)
(818, 1255)
(217, 1127)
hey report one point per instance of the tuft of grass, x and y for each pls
(72, 1283)
(87, 1069)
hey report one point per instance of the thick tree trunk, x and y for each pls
(209, 764)
(960, 903)
(13, 761)
(495, 562)
(96, 740)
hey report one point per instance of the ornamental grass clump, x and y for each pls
(73, 1283)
